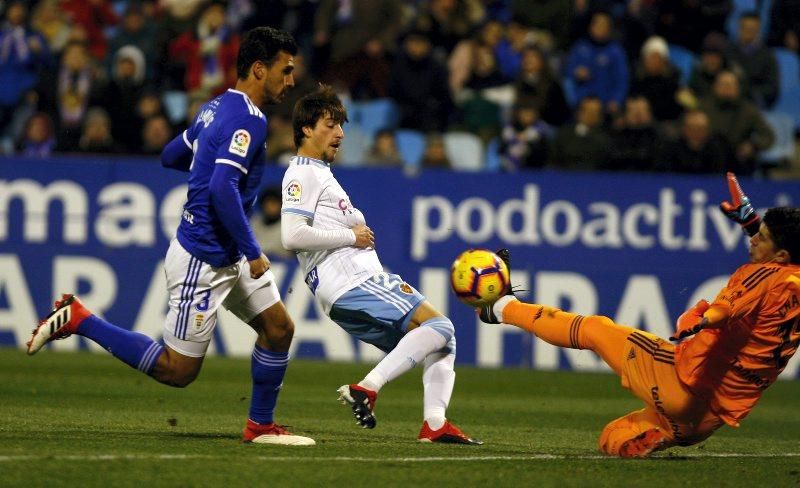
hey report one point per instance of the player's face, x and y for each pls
(326, 138)
(279, 78)
(762, 247)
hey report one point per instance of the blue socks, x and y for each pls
(267, 368)
(134, 349)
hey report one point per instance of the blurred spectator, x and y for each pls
(784, 24)
(70, 91)
(697, 150)
(687, 22)
(304, 84)
(737, 120)
(208, 53)
(509, 51)
(473, 64)
(658, 80)
(419, 85)
(597, 65)
(96, 137)
(359, 36)
(94, 16)
(122, 96)
(51, 21)
(448, 21)
(713, 61)
(525, 140)
(435, 155)
(384, 150)
(536, 83)
(757, 61)
(635, 141)
(583, 145)
(136, 31)
(38, 139)
(23, 55)
(149, 105)
(549, 17)
(280, 140)
(156, 133)
(266, 223)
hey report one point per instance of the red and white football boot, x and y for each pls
(63, 321)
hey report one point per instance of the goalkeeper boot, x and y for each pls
(448, 434)
(363, 402)
(63, 321)
(486, 312)
(644, 444)
(273, 433)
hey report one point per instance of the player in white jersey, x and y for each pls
(336, 249)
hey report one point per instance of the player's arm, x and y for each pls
(739, 209)
(178, 153)
(297, 234)
(701, 316)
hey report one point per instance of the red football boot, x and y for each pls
(273, 434)
(63, 321)
(448, 434)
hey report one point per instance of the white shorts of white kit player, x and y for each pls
(196, 291)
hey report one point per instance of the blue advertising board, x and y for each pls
(638, 248)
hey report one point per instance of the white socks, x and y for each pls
(412, 349)
(438, 379)
(500, 304)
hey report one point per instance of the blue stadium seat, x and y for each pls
(354, 147)
(374, 115)
(176, 105)
(764, 13)
(788, 68)
(492, 160)
(783, 149)
(411, 144)
(464, 150)
(789, 103)
(683, 59)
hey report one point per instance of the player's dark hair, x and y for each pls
(784, 227)
(262, 44)
(314, 106)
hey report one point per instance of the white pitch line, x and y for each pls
(530, 457)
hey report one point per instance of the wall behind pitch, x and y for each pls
(639, 248)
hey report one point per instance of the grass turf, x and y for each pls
(87, 420)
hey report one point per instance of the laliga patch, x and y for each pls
(293, 192)
(240, 142)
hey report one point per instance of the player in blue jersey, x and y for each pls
(214, 259)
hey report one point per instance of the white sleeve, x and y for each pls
(298, 235)
(301, 192)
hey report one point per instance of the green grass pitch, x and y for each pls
(87, 420)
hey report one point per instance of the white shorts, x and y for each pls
(196, 290)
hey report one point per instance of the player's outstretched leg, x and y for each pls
(69, 316)
(637, 434)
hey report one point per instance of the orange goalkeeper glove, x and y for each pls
(691, 321)
(739, 209)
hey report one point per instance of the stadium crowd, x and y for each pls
(636, 85)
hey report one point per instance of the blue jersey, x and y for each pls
(227, 140)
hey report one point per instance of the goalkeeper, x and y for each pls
(732, 349)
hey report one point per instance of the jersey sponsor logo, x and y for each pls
(312, 280)
(206, 117)
(240, 142)
(187, 216)
(293, 192)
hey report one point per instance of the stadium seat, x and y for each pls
(411, 144)
(788, 68)
(783, 148)
(374, 115)
(492, 160)
(464, 150)
(176, 104)
(789, 103)
(765, 13)
(354, 147)
(683, 59)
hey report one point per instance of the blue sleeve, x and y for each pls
(619, 65)
(225, 197)
(240, 140)
(177, 154)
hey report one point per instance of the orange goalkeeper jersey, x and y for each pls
(732, 365)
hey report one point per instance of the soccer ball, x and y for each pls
(479, 277)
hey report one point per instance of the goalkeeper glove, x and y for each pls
(739, 209)
(691, 321)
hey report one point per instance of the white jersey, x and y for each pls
(311, 190)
